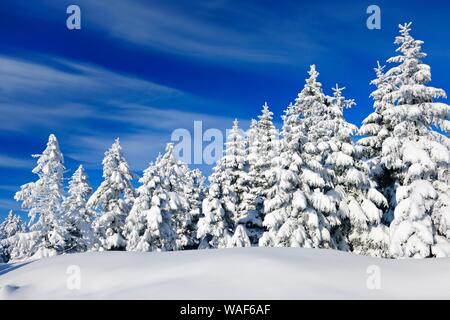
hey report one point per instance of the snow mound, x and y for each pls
(238, 273)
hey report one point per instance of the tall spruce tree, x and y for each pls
(43, 201)
(112, 200)
(300, 200)
(415, 154)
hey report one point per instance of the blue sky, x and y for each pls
(140, 69)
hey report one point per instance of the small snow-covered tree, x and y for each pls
(239, 238)
(162, 214)
(215, 227)
(43, 201)
(9, 228)
(415, 153)
(177, 183)
(112, 200)
(146, 227)
(76, 214)
(223, 207)
(12, 224)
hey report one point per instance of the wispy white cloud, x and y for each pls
(7, 161)
(43, 95)
(256, 34)
(8, 204)
(152, 130)
(7, 187)
(63, 78)
(88, 107)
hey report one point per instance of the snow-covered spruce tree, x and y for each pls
(261, 149)
(375, 129)
(300, 200)
(12, 224)
(146, 229)
(416, 155)
(215, 227)
(234, 176)
(43, 201)
(177, 183)
(9, 228)
(76, 214)
(283, 179)
(309, 185)
(234, 180)
(161, 217)
(112, 200)
(223, 207)
(357, 224)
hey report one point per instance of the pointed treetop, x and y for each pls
(52, 144)
(405, 28)
(115, 148)
(253, 124)
(235, 124)
(169, 154)
(266, 115)
(340, 99)
(379, 70)
(169, 148)
(79, 176)
(312, 87)
(51, 153)
(337, 92)
(409, 47)
(52, 138)
(80, 170)
(310, 95)
(379, 67)
(116, 144)
(313, 74)
(312, 71)
(265, 109)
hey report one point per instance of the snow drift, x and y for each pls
(238, 273)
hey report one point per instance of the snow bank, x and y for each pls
(238, 273)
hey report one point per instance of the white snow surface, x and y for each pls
(236, 273)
